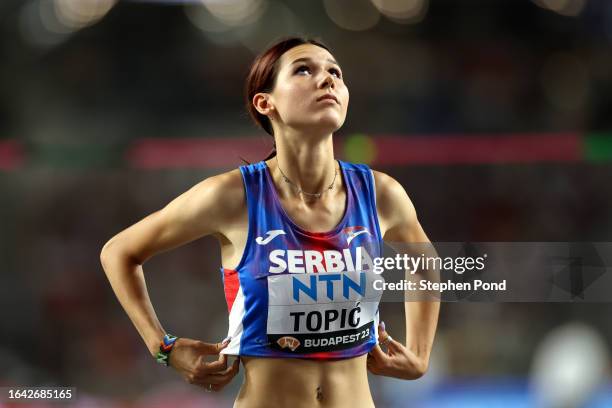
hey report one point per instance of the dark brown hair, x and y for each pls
(262, 77)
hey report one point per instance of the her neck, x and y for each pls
(308, 164)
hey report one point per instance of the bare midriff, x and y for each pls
(296, 383)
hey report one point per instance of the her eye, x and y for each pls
(336, 71)
(301, 68)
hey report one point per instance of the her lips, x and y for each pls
(328, 97)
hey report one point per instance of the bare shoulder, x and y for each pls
(390, 194)
(393, 205)
(226, 189)
(221, 196)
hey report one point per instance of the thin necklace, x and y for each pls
(299, 190)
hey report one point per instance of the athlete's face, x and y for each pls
(306, 74)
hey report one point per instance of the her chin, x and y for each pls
(320, 124)
(325, 127)
(329, 122)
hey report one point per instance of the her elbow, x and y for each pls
(114, 250)
(107, 253)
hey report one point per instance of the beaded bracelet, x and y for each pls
(163, 355)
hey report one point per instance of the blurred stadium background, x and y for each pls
(496, 116)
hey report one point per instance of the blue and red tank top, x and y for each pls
(305, 294)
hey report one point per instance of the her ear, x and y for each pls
(261, 101)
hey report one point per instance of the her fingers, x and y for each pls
(382, 332)
(223, 344)
(216, 381)
(378, 354)
(370, 361)
(212, 348)
(225, 376)
(232, 369)
(204, 368)
(218, 365)
(393, 345)
(204, 377)
(385, 339)
(372, 365)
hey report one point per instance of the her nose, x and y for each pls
(327, 81)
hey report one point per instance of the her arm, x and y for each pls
(399, 224)
(195, 213)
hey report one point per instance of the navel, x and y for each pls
(319, 394)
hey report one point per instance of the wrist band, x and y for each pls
(167, 343)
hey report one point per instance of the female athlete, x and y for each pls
(297, 233)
